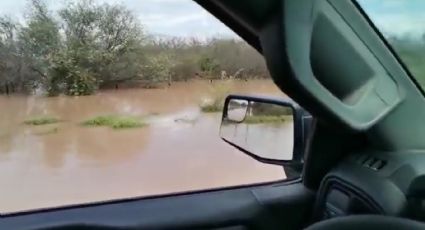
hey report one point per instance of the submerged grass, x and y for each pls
(211, 107)
(41, 120)
(115, 122)
(218, 93)
(49, 131)
(266, 119)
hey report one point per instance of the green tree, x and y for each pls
(7, 50)
(104, 40)
(209, 65)
(157, 70)
(39, 40)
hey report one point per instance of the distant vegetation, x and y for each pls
(412, 53)
(267, 119)
(41, 120)
(115, 122)
(258, 112)
(267, 113)
(85, 46)
(267, 109)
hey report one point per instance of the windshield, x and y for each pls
(403, 25)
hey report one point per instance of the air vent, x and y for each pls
(372, 163)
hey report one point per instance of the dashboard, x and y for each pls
(374, 183)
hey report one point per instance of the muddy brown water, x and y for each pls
(66, 163)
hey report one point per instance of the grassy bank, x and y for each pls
(115, 122)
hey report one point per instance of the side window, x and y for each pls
(104, 101)
(403, 25)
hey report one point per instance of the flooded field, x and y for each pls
(66, 163)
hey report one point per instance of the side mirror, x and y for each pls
(272, 131)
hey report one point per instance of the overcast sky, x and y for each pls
(397, 17)
(186, 18)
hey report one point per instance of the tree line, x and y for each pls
(412, 53)
(85, 46)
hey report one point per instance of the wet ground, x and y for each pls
(66, 163)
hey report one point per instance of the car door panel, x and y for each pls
(243, 208)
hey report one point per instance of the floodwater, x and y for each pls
(66, 163)
(256, 138)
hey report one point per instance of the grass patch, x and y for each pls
(115, 122)
(127, 122)
(212, 107)
(266, 119)
(42, 120)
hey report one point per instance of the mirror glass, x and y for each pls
(262, 129)
(236, 110)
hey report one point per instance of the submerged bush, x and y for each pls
(42, 120)
(115, 122)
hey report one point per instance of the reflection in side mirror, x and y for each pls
(260, 128)
(236, 110)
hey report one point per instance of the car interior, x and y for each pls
(363, 159)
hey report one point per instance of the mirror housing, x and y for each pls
(237, 115)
